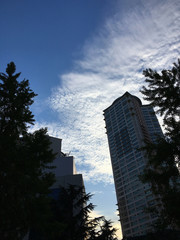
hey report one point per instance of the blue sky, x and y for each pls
(79, 57)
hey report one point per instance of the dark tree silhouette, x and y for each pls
(162, 170)
(23, 158)
(72, 210)
(107, 231)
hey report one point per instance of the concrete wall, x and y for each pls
(64, 164)
(56, 145)
(65, 181)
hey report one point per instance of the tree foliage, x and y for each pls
(24, 183)
(163, 90)
(162, 171)
(72, 210)
(108, 232)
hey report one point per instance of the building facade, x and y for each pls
(128, 125)
(65, 168)
(65, 175)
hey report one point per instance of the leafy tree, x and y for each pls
(162, 171)
(24, 183)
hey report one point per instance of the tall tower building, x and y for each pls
(129, 124)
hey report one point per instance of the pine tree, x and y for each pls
(72, 211)
(162, 170)
(94, 230)
(23, 158)
(108, 232)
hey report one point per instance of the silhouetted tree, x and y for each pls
(72, 211)
(94, 228)
(108, 232)
(163, 92)
(23, 158)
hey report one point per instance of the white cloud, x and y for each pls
(145, 36)
(97, 192)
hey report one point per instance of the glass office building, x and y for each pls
(128, 125)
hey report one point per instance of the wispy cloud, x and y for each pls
(145, 36)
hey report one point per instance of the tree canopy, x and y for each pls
(162, 170)
(72, 210)
(24, 183)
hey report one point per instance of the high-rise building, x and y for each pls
(128, 125)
